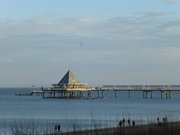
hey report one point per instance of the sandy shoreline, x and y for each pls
(170, 128)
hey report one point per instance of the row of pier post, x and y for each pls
(164, 94)
(148, 94)
(90, 94)
(73, 94)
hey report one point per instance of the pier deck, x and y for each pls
(98, 92)
(165, 92)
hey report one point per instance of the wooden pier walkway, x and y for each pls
(164, 92)
(98, 92)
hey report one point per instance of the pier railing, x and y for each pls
(141, 87)
(98, 92)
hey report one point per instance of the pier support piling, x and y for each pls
(102, 94)
(129, 93)
(98, 94)
(115, 93)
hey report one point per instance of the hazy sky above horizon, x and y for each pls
(101, 41)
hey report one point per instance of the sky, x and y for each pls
(101, 41)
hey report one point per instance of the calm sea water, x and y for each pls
(102, 112)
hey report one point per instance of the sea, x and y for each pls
(73, 114)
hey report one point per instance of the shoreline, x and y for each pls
(169, 128)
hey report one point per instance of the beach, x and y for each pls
(170, 128)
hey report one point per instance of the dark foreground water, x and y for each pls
(83, 113)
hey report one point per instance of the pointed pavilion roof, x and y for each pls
(69, 78)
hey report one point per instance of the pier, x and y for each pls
(69, 87)
(163, 92)
(146, 90)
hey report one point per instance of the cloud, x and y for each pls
(172, 1)
(171, 28)
(149, 26)
(140, 28)
(45, 26)
(7, 61)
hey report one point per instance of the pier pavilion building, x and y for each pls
(69, 83)
(68, 87)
